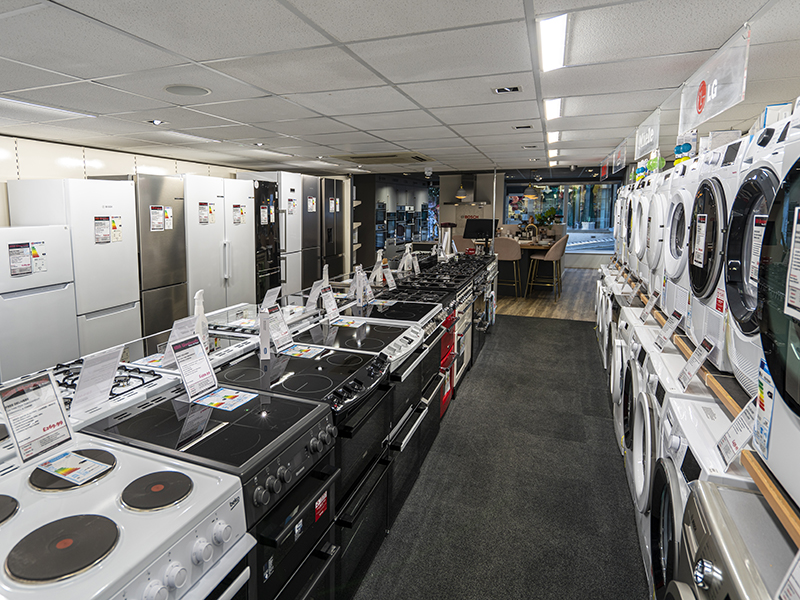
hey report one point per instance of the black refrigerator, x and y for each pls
(310, 251)
(268, 246)
(333, 223)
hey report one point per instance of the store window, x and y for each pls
(579, 206)
(543, 202)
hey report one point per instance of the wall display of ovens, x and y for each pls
(268, 237)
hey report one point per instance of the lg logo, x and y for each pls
(702, 92)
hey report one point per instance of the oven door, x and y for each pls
(407, 380)
(314, 579)
(463, 349)
(406, 453)
(430, 427)
(431, 356)
(448, 371)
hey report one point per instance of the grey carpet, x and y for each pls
(523, 494)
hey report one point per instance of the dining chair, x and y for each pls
(508, 250)
(554, 256)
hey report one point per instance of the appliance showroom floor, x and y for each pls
(523, 494)
(574, 304)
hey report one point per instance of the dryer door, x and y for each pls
(645, 435)
(666, 517)
(654, 240)
(677, 229)
(678, 590)
(706, 237)
(640, 233)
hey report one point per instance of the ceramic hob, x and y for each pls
(369, 337)
(399, 312)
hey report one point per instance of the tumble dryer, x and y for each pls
(640, 231)
(683, 185)
(708, 228)
(762, 169)
(656, 219)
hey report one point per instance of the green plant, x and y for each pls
(547, 217)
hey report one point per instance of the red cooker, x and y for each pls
(448, 361)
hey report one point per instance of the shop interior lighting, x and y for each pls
(553, 137)
(553, 163)
(44, 107)
(553, 42)
(552, 153)
(461, 193)
(157, 122)
(508, 90)
(529, 192)
(529, 147)
(552, 108)
(518, 127)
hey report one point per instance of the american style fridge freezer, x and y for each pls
(332, 231)
(268, 237)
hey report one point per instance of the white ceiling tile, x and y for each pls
(484, 113)
(617, 133)
(57, 39)
(598, 121)
(43, 132)
(315, 70)
(272, 108)
(310, 126)
(175, 118)
(176, 138)
(312, 151)
(575, 106)
(515, 142)
(470, 90)
(228, 132)
(394, 120)
(773, 91)
(207, 29)
(354, 101)
(106, 125)
(111, 142)
(551, 7)
(499, 127)
(600, 143)
(443, 142)
(438, 153)
(779, 24)
(773, 61)
(437, 134)
(89, 97)
(484, 50)
(352, 137)
(17, 76)
(368, 148)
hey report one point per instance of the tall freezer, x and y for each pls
(101, 216)
(37, 299)
(333, 223)
(268, 237)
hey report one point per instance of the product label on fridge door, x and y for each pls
(291, 206)
(331, 205)
(212, 212)
(39, 257)
(168, 222)
(238, 214)
(203, 213)
(35, 416)
(19, 259)
(102, 230)
(156, 218)
(195, 368)
(762, 425)
(116, 229)
(759, 225)
(264, 215)
(338, 203)
(791, 304)
(312, 204)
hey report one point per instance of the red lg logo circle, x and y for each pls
(701, 97)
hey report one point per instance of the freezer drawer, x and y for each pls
(39, 329)
(160, 308)
(111, 327)
(57, 257)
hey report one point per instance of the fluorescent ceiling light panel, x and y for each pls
(553, 137)
(43, 107)
(552, 153)
(553, 42)
(553, 163)
(552, 109)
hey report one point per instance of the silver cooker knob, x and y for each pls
(704, 573)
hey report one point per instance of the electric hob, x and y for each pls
(398, 312)
(402, 294)
(366, 337)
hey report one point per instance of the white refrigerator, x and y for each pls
(37, 299)
(102, 220)
(220, 240)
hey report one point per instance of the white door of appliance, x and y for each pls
(289, 200)
(292, 272)
(111, 327)
(239, 267)
(204, 207)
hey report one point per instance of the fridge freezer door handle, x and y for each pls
(282, 213)
(284, 267)
(226, 260)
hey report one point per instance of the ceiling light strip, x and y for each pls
(44, 107)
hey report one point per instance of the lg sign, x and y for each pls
(701, 95)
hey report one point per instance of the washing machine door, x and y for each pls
(655, 230)
(707, 228)
(749, 215)
(630, 390)
(666, 518)
(617, 371)
(677, 231)
(780, 333)
(640, 234)
(677, 590)
(644, 427)
(629, 222)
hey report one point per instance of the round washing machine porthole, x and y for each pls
(643, 448)
(665, 525)
(709, 213)
(676, 234)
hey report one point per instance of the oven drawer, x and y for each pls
(407, 382)
(314, 580)
(406, 455)
(430, 427)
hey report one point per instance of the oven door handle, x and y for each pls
(359, 500)
(348, 431)
(329, 553)
(437, 340)
(400, 446)
(279, 539)
(237, 585)
(402, 377)
(435, 391)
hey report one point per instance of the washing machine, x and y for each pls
(683, 185)
(619, 231)
(779, 331)
(656, 219)
(762, 169)
(708, 228)
(629, 225)
(687, 453)
(640, 221)
(734, 547)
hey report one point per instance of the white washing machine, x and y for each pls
(780, 332)
(762, 169)
(734, 547)
(619, 209)
(689, 432)
(708, 227)
(656, 220)
(640, 221)
(684, 182)
(629, 227)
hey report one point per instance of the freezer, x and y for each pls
(111, 327)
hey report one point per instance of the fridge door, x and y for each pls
(311, 209)
(160, 308)
(204, 203)
(290, 198)
(110, 327)
(292, 273)
(267, 225)
(162, 247)
(55, 257)
(239, 267)
(329, 229)
(341, 221)
(311, 271)
(39, 329)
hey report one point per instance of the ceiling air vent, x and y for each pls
(529, 147)
(518, 127)
(389, 158)
(508, 90)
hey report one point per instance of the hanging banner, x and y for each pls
(716, 86)
(604, 168)
(647, 135)
(620, 156)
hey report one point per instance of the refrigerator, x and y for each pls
(101, 216)
(220, 240)
(37, 299)
(310, 250)
(268, 239)
(332, 223)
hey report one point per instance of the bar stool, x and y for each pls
(509, 250)
(554, 255)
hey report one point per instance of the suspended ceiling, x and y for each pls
(293, 83)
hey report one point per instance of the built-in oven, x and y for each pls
(380, 213)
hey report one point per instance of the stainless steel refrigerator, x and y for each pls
(268, 238)
(333, 223)
(310, 251)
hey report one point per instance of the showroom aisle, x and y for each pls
(523, 494)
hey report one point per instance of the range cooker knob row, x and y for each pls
(261, 496)
(284, 474)
(202, 551)
(315, 445)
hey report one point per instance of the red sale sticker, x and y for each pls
(721, 300)
(320, 506)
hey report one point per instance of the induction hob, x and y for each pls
(368, 337)
(400, 312)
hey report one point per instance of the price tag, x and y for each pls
(181, 328)
(329, 302)
(651, 303)
(762, 427)
(34, 414)
(116, 229)
(694, 363)
(270, 297)
(195, 419)
(631, 296)
(699, 254)
(156, 218)
(278, 330)
(195, 368)
(668, 329)
(291, 206)
(759, 225)
(102, 230)
(95, 381)
(203, 213)
(264, 211)
(416, 265)
(387, 275)
(313, 296)
(790, 586)
(331, 205)
(237, 214)
(225, 399)
(39, 256)
(738, 435)
(263, 335)
(325, 280)
(312, 204)
(20, 259)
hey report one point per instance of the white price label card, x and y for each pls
(20, 261)
(375, 275)
(369, 296)
(39, 256)
(313, 296)
(95, 381)
(238, 214)
(73, 467)
(203, 213)
(270, 298)
(196, 371)
(291, 206)
(343, 322)
(738, 435)
(665, 335)
(762, 426)
(699, 251)
(34, 414)
(651, 303)
(156, 218)
(264, 213)
(264, 338)
(631, 295)
(338, 205)
(116, 229)
(757, 239)
(102, 230)
(387, 275)
(278, 330)
(181, 328)
(212, 213)
(303, 351)
(416, 265)
(195, 418)
(694, 363)
(331, 205)
(789, 589)
(329, 302)
(168, 220)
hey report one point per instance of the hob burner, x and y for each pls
(8, 507)
(345, 360)
(241, 374)
(155, 491)
(62, 549)
(308, 384)
(47, 482)
(366, 344)
(385, 329)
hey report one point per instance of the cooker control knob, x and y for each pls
(273, 484)
(261, 496)
(155, 590)
(176, 575)
(332, 430)
(324, 437)
(316, 445)
(284, 474)
(222, 533)
(202, 551)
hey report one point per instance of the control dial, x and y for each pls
(704, 573)
(273, 484)
(261, 496)
(315, 445)
(222, 533)
(176, 575)
(332, 430)
(674, 443)
(284, 474)
(324, 437)
(155, 590)
(202, 551)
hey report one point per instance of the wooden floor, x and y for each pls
(576, 302)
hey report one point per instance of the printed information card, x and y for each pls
(196, 371)
(738, 435)
(225, 399)
(74, 468)
(651, 303)
(694, 363)
(665, 335)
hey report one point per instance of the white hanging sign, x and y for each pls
(620, 156)
(647, 135)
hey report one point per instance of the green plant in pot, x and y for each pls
(546, 218)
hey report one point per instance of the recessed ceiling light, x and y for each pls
(157, 122)
(553, 137)
(553, 42)
(552, 108)
(552, 153)
(531, 147)
(518, 127)
(508, 90)
(533, 159)
(259, 144)
(553, 163)
(186, 90)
